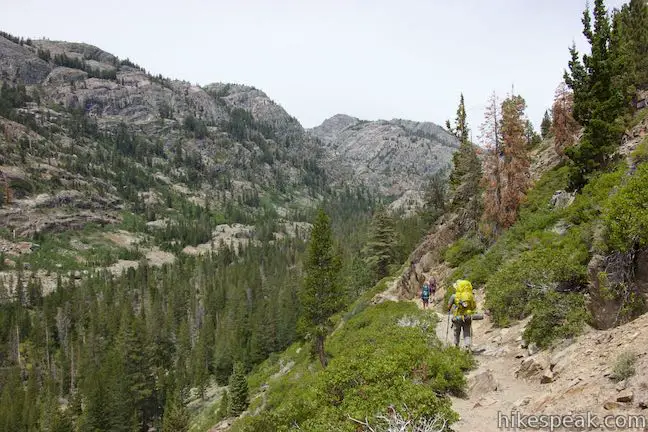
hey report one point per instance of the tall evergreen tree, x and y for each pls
(238, 391)
(545, 126)
(322, 294)
(564, 126)
(597, 102)
(465, 191)
(491, 136)
(629, 48)
(380, 247)
(515, 164)
(176, 417)
(435, 196)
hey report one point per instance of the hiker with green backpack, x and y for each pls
(462, 305)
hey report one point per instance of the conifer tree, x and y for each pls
(322, 294)
(545, 126)
(238, 391)
(435, 196)
(223, 407)
(629, 48)
(491, 136)
(507, 174)
(597, 103)
(466, 172)
(515, 163)
(176, 417)
(380, 248)
(564, 126)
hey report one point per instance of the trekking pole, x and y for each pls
(447, 328)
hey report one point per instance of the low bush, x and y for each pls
(640, 154)
(386, 355)
(555, 259)
(462, 250)
(624, 367)
(556, 316)
(626, 216)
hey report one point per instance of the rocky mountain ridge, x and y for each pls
(391, 157)
(395, 155)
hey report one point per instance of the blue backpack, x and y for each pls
(426, 291)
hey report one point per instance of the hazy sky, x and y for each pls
(373, 59)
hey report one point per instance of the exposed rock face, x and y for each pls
(394, 155)
(18, 63)
(259, 105)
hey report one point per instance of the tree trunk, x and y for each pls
(319, 345)
(71, 368)
(47, 353)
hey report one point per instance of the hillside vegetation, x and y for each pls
(152, 238)
(177, 258)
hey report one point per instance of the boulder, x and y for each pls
(625, 396)
(483, 383)
(533, 349)
(611, 405)
(562, 199)
(530, 368)
(547, 377)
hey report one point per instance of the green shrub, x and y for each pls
(132, 222)
(129, 254)
(384, 355)
(556, 316)
(624, 367)
(640, 154)
(626, 216)
(521, 280)
(462, 250)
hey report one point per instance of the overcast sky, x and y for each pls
(373, 59)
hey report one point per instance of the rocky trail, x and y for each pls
(572, 378)
(492, 386)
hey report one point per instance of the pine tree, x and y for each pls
(223, 407)
(176, 417)
(322, 294)
(435, 196)
(531, 136)
(629, 49)
(515, 163)
(380, 248)
(564, 126)
(492, 180)
(466, 173)
(462, 133)
(507, 174)
(597, 102)
(238, 391)
(545, 126)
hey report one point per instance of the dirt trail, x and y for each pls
(573, 377)
(492, 386)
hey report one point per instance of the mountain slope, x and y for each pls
(396, 155)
